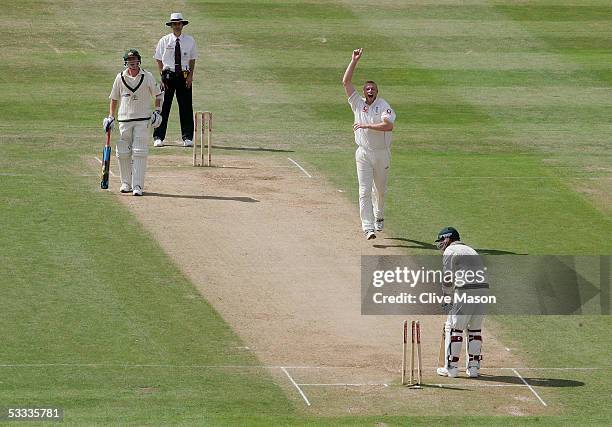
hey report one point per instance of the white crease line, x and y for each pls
(151, 365)
(530, 388)
(31, 175)
(508, 177)
(123, 365)
(346, 385)
(476, 385)
(587, 368)
(152, 175)
(162, 365)
(100, 161)
(297, 164)
(296, 386)
(525, 368)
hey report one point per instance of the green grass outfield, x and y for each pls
(504, 130)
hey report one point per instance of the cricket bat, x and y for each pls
(106, 156)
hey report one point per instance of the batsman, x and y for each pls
(132, 90)
(464, 278)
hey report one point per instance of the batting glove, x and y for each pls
(108, 124)
(156, 119)
(447, 307)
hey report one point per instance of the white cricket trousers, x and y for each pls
(372, 172)
(132, 152)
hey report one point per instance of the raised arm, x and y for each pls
(348, 74)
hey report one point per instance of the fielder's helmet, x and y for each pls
(448, 232)
(131, 53)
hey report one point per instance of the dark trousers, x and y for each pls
(185, 104)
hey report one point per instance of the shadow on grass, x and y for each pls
(188, 196)
(225, 147)
(537, 382)
(428, 246)
(227, 167)
(268, 150)
(445, 387)
(417, 244)
(468, 383)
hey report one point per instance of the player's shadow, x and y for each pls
(506, 379)
(536, 382)
(229, 167)
(203, 197)
(445, 387)
(179, 144)
(268, 150)
(417, 244)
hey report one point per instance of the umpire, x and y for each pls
(176, 55)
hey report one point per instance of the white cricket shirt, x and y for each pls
(465, 265)
(165, 50)
(377, 112)
(135, 100)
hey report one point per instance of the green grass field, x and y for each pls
(504, 131)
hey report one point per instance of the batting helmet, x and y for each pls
(131, 53)
(448, 233)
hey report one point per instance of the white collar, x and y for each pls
(125, 73)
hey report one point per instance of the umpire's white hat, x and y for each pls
(176, 17)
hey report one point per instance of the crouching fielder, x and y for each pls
(464, 278)
(134, 87)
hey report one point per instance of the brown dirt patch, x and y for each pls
(278, 256)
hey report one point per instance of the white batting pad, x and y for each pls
(140, 151)
(124, 158)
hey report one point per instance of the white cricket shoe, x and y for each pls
(187, 143)
(369, 234)
(380, 224)
(450, 372)
(472, 372)
(137, 191)
(158, 143)
(125, 188)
